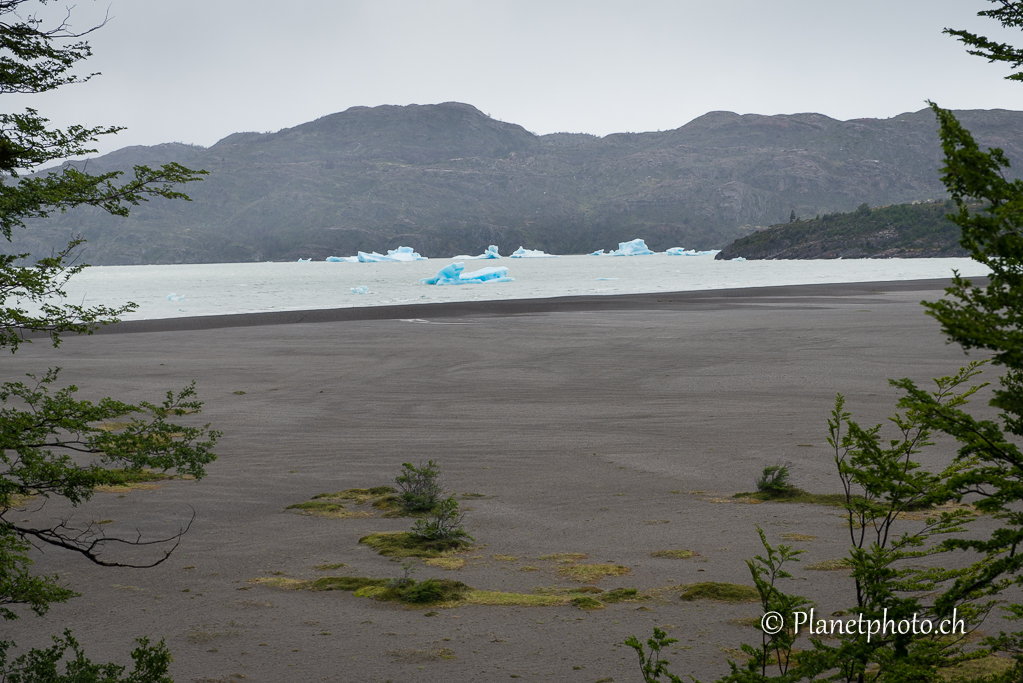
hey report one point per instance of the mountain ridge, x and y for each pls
(447, 179)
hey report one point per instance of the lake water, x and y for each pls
(211, 289)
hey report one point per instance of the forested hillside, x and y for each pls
(901, 231)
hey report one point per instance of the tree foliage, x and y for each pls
(52, 443)
(1009, 13)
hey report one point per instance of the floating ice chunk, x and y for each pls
(305, 260)
(679, 251)
(342, 259)
(362, 289)
(522, 252)
(491, 252)
(405, 254)
(738, 258)
(453, 275)
(175, 297)
(372, 257)
(399, 254)
(635, 247)
(607, 278)
(597, 253)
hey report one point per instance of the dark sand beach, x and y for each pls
(608, 426)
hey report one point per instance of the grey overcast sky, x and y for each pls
(197, 70)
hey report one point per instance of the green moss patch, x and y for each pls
(621, 595)
(976, 669)
(344, 583)
(565, 558)
(722, 592)
(326, 508)
(446, 593)
(588, 573)
(587, 603)
(678, 554)
(448, 563)
(829, 565)
(405, 544)
(382, 499)
(428, 592)
(796, 495)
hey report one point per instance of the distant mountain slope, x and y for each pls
(448, 179)
(901, 231)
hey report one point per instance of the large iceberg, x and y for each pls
(454, 275)
(491, 252)
(635, 247)
(522, 252)
(399, 254)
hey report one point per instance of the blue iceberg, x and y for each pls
(453, 275)
(363, 289)
(305, 260)
(399, 254)
(599, 252)
(522, 252)
(175, 297)
(342, 259)
(635, 247)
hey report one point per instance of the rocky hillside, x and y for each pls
(901, 231)
(448, 179)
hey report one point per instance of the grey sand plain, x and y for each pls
(612, 427)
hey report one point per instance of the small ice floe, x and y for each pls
(607, 278)
(175, 297)
(522, 252)
(491, 252)
(454, 275)
(342, 259)
(399, 254)
(679, 251)
(361, 289)
(738, 258)
(599, 252)
(305, 260)
(635, 247)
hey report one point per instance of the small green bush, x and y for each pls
(774, 480)
(444, 523)
(419, 486)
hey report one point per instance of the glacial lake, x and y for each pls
(210, 289)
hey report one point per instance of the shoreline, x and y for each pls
(670, 301)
